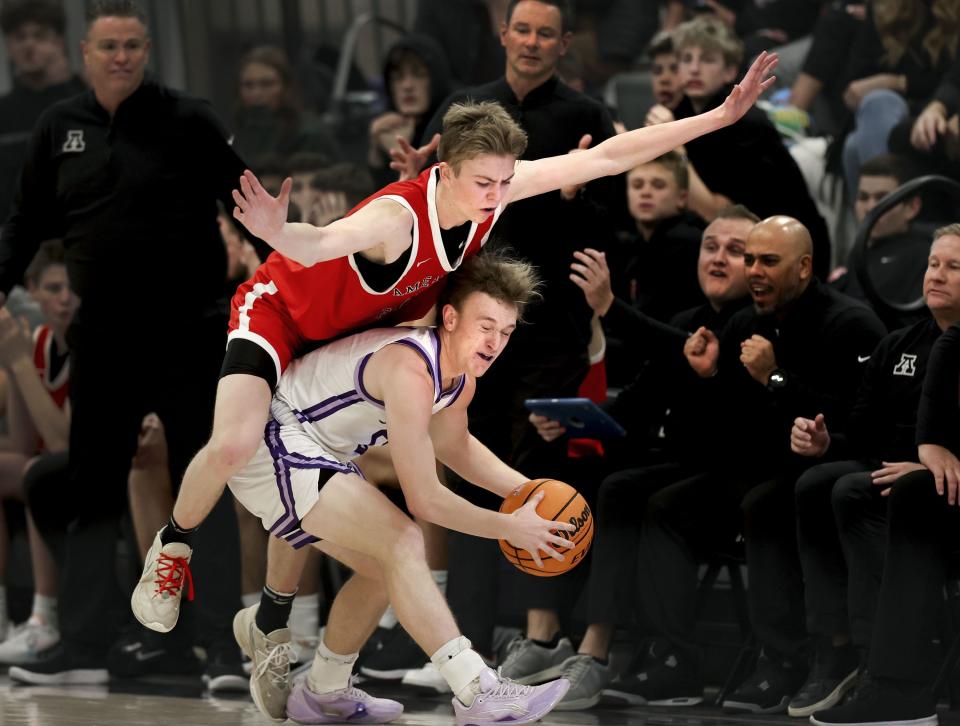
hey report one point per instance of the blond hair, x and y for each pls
(709, 35)
(898, 22)
(951, 230)
(473, 129)
(508, 280)
(675, 163)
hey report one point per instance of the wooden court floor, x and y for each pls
(176, 703)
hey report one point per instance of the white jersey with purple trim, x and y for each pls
(323, 392)
(322, 419)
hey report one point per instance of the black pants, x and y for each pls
(498, 418)
(117, 377)
(615, 578)
(691, 518)
(923, 531)
(841, 531)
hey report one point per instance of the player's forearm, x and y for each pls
(478, 465)
(300, 242)
(444, 508)
(50, 421)
(624, 152)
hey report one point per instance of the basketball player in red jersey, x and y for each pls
(392, 248)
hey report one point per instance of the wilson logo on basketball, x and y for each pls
(579, 522)
(563, 504)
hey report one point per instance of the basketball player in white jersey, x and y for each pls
(410, 386)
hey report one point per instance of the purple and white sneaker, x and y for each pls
(504, 701)
(348, 705)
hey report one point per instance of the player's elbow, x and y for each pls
(420, 507)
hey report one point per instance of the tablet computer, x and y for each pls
(581, 417)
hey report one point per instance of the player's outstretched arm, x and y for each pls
(265, 216)
(625, 151)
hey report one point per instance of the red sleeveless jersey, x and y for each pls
(330, 298)
(59, 387)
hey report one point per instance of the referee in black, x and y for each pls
(129, 174)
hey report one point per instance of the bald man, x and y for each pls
(798, 350)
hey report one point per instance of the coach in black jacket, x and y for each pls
(129, 175)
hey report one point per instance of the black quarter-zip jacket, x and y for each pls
(822, 343)
(133, 196)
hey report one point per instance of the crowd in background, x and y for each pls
(785, 409)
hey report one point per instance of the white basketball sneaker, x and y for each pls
(156, 598)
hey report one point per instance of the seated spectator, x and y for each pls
(269, 117)
(896, 257)
(664, 71)
(932, 138)
(818, 87)
(665, 236)
(763, 24)
(33, 33)
(302, 167)
(842, 566)
(747, 162)
(336, 190)
(416, 76)
(39, 416)
(642, 407)
(795, 350)
(902, 52)
(904, 651)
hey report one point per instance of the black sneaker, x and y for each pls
(224, 672)
(833, 674)
(768, 689)
(146, 653)
(373, 645)
(666, 681)
(399, 654)
(63, 667)
(883, 703)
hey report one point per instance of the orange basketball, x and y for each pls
(561, 503)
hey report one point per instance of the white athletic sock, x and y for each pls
(440, 577)
(250, 599)
(44, 611)
(330, 671)
(460, 667)
(389, 618)
(305, 618)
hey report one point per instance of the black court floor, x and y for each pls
(178, 703)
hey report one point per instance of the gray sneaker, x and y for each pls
(271, 655)
(587, 679)
(529, 663)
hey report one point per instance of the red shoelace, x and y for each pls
(171, 572)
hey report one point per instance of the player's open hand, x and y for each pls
(531, 532)
(745, 94)
(260, 212)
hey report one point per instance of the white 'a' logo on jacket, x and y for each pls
(906, 366)
(74, 142)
